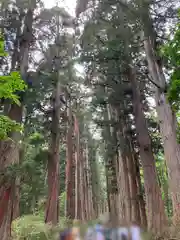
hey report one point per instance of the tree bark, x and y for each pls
(142, 204)
(111, 161)
(77, 170)
(123, 174)
(166, 117)
(52, 205)
(135, 210)
(70, 168)
(9, 150)
(155, 212)
(94, 175)
(82, 192)
(86, 182)
(89, 183)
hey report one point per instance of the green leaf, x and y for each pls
(9, 86)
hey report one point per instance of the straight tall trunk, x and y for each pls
(89, 183)
(155, 212)
(166, 120)
(142, 204)
(125, 208)
(9, 155)
(83, 183)
(77, 170)
(127, 197)
(86, 182)
(94, 176)
(9, 150)
(95, 187)
(135, 210)
(81, 187)
(111, 162)
(52, 205)
(122, 207)
(70, 168)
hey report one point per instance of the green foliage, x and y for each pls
(33, 170)
(172, 52)
(9, 85)
(174, 91)
(7, 125)
(32, 227)
(34, 184)
(62, 202)
(2, 52)
(172, 49)
(36, 138)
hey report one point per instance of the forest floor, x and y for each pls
(32, 227)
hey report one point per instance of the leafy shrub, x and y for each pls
(9, 86)
(32, 227)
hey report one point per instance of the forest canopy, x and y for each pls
(74, 146)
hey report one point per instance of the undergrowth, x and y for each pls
(32, 227)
